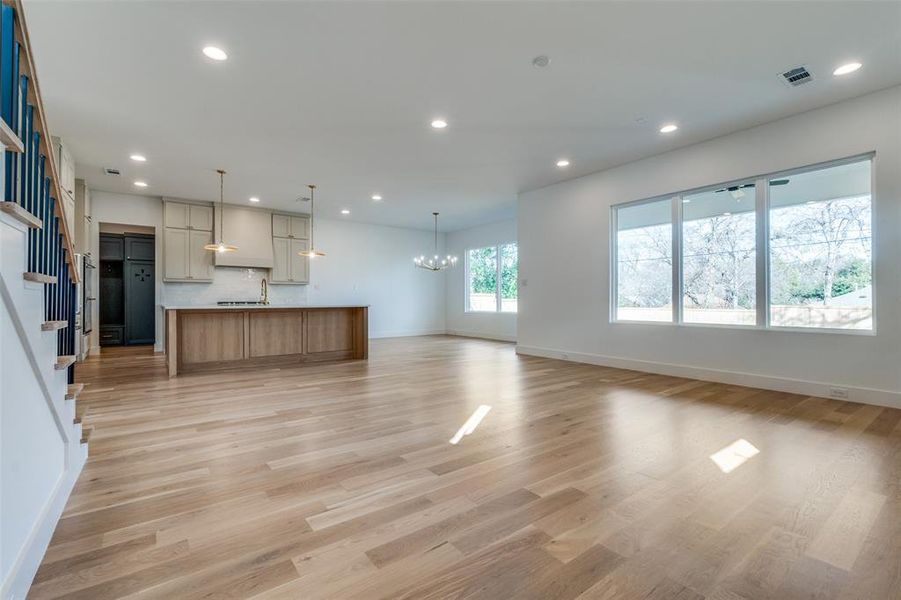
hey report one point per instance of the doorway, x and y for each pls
(127, 285)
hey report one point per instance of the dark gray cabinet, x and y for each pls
(127, 285)
(112, 247)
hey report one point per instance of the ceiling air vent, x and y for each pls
(111, 171)
(797, 76)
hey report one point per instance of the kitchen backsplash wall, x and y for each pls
(232, 284)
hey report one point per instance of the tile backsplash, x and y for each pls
(232, 284)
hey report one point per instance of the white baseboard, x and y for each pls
(374, 335)
(482, 336)
(860, 395)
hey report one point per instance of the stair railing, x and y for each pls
(32, 180)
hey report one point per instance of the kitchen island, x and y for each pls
(202, 338)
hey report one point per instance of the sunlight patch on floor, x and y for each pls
(471, 423)
(734, 455)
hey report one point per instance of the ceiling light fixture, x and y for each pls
(541, 61)
(140, 183)
(344, 211)
(669, 128)
(312, 252)
(254, 199)
(562, 163)
(220, 247)
(435, 263)
(439, 124)
(138, 158)
(846, 68)
(376, 197)
(215, 53)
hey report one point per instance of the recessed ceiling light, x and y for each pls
(140, 183)
(847, 68)
(376, 197)
(562, 163)
(439, 124)
(138, 158)
(254, 199)
(344, 211)
(215, 53)
(669, 128)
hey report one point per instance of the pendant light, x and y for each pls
(312, 252)
(220, 246)
(435, 263)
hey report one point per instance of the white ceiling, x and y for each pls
(341, 93)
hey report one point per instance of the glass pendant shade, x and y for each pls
(220, 246)
(434, 262)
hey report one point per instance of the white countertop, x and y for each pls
(256, 306)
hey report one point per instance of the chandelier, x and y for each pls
(220, 246)
(312, 252)
(435, 263)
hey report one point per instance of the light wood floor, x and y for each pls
(338, 481)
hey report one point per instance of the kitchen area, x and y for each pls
(205, 303)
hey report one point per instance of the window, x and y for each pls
(491, 275)
(787, 250)
(719, 255)
(644, 261)
(820, 249)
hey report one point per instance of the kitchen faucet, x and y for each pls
(264, 291)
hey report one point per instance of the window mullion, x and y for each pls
(677, 258)
(497, 282)
(762, 292)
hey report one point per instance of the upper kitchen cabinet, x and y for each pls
(290, 226)
(290, 235)
(65, 164)
(182, 215)
(188, 228)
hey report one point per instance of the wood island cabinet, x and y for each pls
(202, 339)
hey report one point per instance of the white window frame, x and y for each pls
(498, 301)
(762, 251)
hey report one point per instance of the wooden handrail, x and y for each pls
(26, 67)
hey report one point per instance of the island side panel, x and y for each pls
(361, 333)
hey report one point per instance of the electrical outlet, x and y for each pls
(838, 392)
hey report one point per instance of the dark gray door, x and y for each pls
(139, 305)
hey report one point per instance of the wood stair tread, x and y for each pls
(63, 362)
(73, 390)
(38, 277)
(53, 325)
(20, 214)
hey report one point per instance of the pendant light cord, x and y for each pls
(312, 216)
(436, 233)
(221, 204)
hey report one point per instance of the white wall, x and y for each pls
(501, 326)
(564, 260)
(40, 450)
(368, 264)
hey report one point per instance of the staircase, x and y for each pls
(43, 445)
